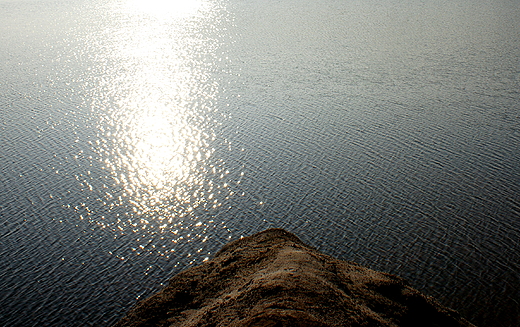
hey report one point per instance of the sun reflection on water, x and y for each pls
(166, 8)
(155, 101)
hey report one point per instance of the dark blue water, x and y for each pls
(138, 137)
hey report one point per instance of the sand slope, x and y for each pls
(274, 279)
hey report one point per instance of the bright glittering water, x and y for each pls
(137, 137)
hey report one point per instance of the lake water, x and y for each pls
(139, 136)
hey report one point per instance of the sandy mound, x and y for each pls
(274, 279)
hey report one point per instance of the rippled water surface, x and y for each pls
(137, 137)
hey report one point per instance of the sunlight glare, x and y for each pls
(169, 8)
(157, 127)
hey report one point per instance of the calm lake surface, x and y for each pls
(139, 136)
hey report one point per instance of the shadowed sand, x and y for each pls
(273, 279)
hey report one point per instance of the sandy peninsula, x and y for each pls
(273, 279)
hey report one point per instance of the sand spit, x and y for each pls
(273, 279)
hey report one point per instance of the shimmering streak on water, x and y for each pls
(154, 98)
(166, 9)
